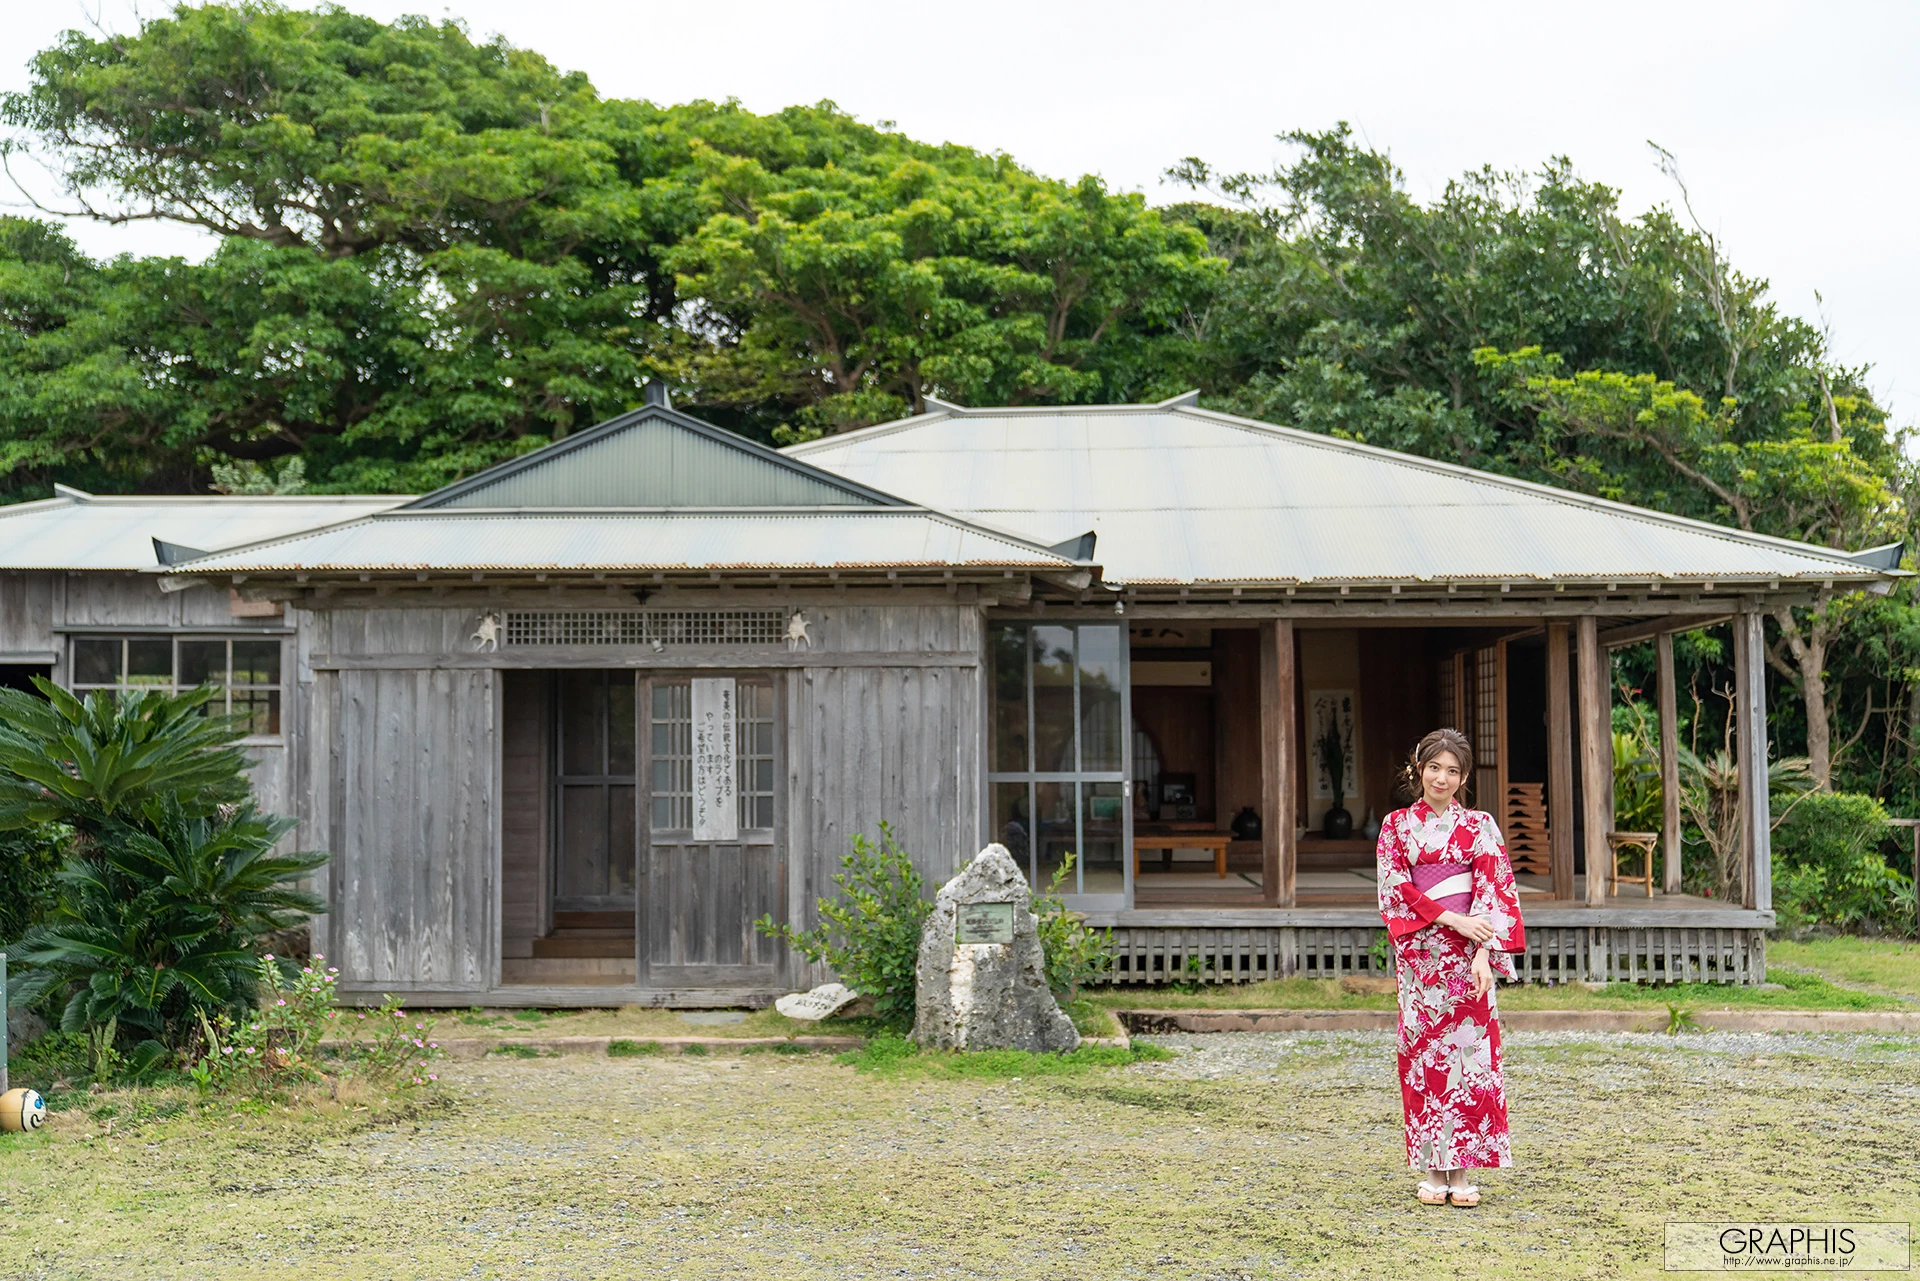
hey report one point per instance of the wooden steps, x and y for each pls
(588, 935)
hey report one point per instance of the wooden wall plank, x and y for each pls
(526, 730)
(1503, 742)
(416, 845)
(26, 613)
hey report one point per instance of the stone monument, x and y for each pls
(981, 978)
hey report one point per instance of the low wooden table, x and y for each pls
(1215, 841)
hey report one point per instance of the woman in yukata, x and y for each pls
(1448, 898)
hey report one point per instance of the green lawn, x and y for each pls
(1883, 965)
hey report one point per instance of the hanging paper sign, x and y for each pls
(716, 809)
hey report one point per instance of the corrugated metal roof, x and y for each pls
(1182, 495)
(654, 457)
(88, 531)
(776, 539)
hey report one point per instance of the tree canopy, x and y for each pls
(436, 252)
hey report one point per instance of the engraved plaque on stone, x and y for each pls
(984, 923)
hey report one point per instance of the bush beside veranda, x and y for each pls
(1829, 867)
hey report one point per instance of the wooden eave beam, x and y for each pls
(1634, 633)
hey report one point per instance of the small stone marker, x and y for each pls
(822, 1002)
(981, 978)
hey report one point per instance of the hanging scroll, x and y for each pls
(716, 809)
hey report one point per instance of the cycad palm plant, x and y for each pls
(171, 875)
(96, 761)
(154, 924)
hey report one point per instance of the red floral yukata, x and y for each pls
(1450, 1080)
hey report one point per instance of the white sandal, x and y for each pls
(1470, 1195)
(1431, 1193)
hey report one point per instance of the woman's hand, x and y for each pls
(1477, 928)
(1482, 973)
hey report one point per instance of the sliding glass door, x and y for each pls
(1058, 757)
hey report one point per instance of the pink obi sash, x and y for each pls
(1448, 884)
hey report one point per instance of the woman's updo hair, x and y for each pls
(1440, 740)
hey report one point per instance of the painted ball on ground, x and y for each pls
(22, 1110)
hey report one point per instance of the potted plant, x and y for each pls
(1332, 747)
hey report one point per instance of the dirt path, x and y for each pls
(1248, 1156)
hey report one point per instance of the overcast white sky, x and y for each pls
(1796, 125)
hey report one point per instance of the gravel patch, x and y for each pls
(1248, 1155)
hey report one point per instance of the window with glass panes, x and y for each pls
(1057, 755)
(245, 669)
(670, 745)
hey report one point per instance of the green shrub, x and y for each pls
(870, 935)
(1075, 955)
(30, 858)
(154, 930)
(624, 1049)
(1636, 783)
(1828, 868)
(277, 1046)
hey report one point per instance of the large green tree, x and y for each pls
(1523, 324)
(437, 253)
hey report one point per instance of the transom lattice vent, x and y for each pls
(648, 627)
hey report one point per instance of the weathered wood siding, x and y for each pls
(26, 615)
(903, 744)
(39, 609)
(393, 697)
(414, 826)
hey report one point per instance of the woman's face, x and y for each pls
(1440, 778)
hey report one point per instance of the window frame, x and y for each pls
(1079, 778)
(173, 685)
(748, 796)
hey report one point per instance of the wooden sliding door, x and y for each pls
(710, 859)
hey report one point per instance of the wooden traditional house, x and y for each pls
(571, 725)
(77, 605)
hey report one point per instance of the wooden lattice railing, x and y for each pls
(1555, 954)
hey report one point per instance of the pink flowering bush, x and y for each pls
(399, 1048)
(278, 1044)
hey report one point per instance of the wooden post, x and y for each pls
(1912, 826)
(1750, 730)
(1596, 756)
(1669, 764)
(1502, 740)
(1279, 855)
(1559, 763)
